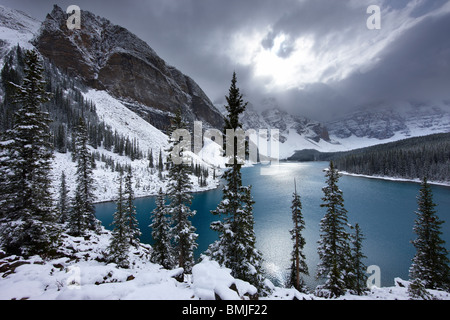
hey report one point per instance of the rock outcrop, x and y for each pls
(109, 57)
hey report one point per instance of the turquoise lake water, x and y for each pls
(385, 210)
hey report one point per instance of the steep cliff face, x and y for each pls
(109, 57)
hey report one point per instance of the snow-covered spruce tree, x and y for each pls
(82, 215)
(430, 264)
(160, 166)
(28, 215)
(358, 273)
(223, 250)
(248, 259)
(179, 193)
(298, 258)
(334, 248)
(119, 246)
(63, 201)
(161, 233)
(235, 209)
(134, 233)
(150, 159)
(417, 291)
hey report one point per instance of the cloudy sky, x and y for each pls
(317, 57)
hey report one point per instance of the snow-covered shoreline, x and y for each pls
(394, 179)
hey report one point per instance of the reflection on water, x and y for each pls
(384, 210)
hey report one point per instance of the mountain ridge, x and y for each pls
(111, 58)
(108, 57)
(407, 119)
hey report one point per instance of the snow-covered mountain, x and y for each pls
(385, 122)
(16, 27)
(296, 133)
(125, 116)
(364, 127)
(109, 57)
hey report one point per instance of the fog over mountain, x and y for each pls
(318, 58)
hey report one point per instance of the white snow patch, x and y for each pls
(81, 273)
(126, 122)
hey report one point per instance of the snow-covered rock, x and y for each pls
(108, 57)
(211, 282)
(80, 272)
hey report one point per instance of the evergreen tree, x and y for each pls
(161, 233)
(82, 216)
(27, 210)
(334, 249)
(358, 271)
(119, 244)
(63, 202)
(430, 264)
(150, 159)
(235, 209)
(248, 264)
(179, 193)
(417, 290)
(60, 139)
(298, 259)
(10, 73)
(134, 233)
(160, 161)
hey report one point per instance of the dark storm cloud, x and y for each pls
(198, 38)
(414, 68)
(417, 66)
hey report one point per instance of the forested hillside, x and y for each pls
(66, 107)
(414, 158)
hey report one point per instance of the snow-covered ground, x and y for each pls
(126, 122)
(146, 180)
(81, 273)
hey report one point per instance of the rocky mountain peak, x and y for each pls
(109, 57)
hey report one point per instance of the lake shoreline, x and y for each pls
(394, 179)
